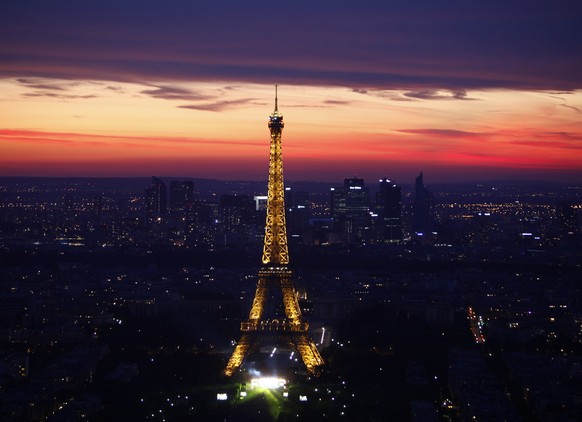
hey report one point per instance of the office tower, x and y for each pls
(389, 210)
(155, 197)
(181, 195)
(265, 325)
(297, 214)
(238, 218)
(236, 211)
(350, 210)
(422, 207)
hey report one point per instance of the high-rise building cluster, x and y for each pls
(355, 216)
(357, 219)
(205, 215)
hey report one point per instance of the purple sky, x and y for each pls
(372, 44)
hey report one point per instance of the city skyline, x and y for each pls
(458, 91)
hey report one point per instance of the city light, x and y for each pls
(269, 383)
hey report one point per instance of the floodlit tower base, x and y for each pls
(290, 331)
(300, 343)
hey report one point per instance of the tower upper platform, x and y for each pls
(276, 119)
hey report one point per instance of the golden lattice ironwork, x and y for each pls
(288, 329)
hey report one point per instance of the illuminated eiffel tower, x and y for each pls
(286, 330)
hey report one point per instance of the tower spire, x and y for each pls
(276, 105)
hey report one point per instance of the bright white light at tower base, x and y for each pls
(270, 383)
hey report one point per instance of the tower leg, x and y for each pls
(259, 300)
(292, 310)
(309, 353)
(240, 352)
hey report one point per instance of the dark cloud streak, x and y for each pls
(174, 93)
(337, 102)
(443, 133)
(58, 96)
(576, 109)
(32, 83)
(437, 95)
(218, 105)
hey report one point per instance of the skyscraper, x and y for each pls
(156, 198)
(389, 208)
(297, 212)
(181, 195)
(422, 207)
(350, 210)
(236, 211)
(238, 216)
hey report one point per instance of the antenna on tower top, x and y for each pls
(276, 106)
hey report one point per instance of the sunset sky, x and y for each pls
(462, 90)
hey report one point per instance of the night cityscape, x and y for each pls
(122, 297)
(405, 245)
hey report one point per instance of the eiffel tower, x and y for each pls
(287, 330)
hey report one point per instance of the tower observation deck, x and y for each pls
(288, 330)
